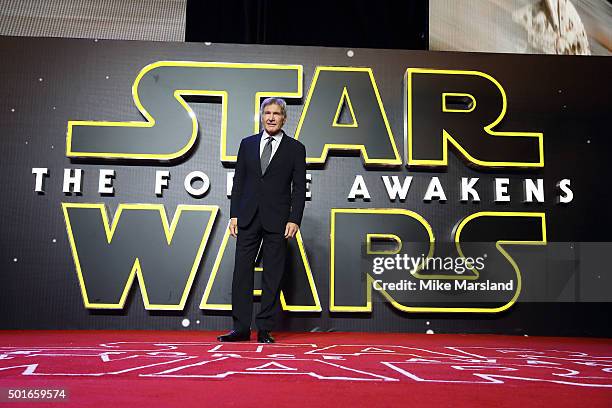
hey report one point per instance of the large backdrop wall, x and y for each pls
(117, 161)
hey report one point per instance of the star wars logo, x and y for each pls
(456, 110)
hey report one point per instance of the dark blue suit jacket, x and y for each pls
(279, 194)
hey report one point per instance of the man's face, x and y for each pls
(273, 119)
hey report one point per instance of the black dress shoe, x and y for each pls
(263, 336)
(235, 335)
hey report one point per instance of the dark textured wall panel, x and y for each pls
(47, 82)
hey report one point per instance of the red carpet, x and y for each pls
(167, 369)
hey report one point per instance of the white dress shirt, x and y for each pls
(276, 139)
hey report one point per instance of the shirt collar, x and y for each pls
(276, 137)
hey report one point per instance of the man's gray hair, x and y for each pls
(273, 101)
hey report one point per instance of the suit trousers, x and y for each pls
(274, 250)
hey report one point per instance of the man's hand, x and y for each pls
(291, 229)
(233, 227)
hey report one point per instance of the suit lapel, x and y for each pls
(279, 151)
(256, 145)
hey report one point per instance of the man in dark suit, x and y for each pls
(267, 203)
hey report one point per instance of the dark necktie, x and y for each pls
(266, 154)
